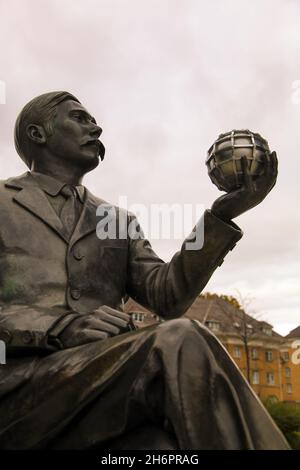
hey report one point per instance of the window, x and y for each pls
(255, 377)
(285, 356)
(267, 330)
(237, 352)
(213, 325)
(289, 388)
(138, 316)
(287, 372)
(156, 317)
(254, 353)
(270, 378)
(269, 356)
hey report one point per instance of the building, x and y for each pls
(290, 363)
(268, 360)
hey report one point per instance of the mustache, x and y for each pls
(101, 148)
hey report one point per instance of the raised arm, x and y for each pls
(168, 289)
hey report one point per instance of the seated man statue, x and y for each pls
(78, 376)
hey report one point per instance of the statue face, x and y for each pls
(76, 136)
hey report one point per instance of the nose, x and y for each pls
(95, 131)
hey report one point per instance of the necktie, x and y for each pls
(68, 212)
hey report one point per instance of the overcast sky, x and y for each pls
(164, 78)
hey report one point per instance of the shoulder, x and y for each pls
(15, 182)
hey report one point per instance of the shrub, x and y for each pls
(287, 418)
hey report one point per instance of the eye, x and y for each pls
(82, 118)
(79, 117)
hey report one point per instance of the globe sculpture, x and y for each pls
(224, 158)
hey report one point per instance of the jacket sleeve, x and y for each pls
(32, 328)
(169, 289)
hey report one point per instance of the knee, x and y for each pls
(184, 326)
(183, 336)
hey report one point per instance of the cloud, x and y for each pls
(164, 79)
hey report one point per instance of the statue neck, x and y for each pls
(67, 175)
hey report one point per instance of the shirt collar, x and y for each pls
(52, 186)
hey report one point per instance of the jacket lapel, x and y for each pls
(88, 220)
(33, 199)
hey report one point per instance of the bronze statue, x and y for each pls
(77, 376)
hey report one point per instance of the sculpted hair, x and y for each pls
(40, 111)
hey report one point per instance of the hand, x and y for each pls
(101, 324)
(235, 203)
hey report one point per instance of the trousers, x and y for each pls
(174, 381)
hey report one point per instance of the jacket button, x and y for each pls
(27, 337)
(75, 294)
(78, 254)
(5, 336)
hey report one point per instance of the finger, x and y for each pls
(246, 174)
(273, 170)
(116, 313)
(268, 178)
(107, 317)
(85, 337)
(94, 335)
(267, 165)
(96, 324)
(274, 163)
(219, 178)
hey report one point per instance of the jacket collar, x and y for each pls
(32, 198)
(53, 187)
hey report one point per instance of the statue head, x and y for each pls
(56, 126)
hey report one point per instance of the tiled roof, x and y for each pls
(132, 306)
(231, 320)
(295, 333)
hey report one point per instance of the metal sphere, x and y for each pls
(224, 158)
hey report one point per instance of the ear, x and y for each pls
(36, 133)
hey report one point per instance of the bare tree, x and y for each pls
(247, 321)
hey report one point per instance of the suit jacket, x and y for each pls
(46, 279)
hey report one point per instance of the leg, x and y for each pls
(190, 379)
(175, 376)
